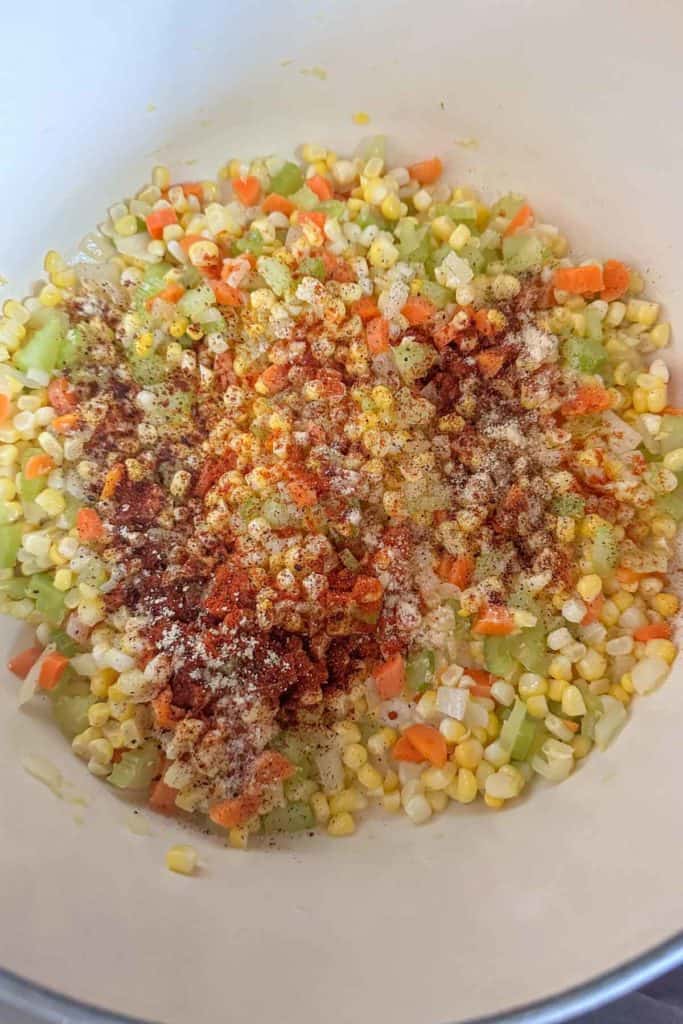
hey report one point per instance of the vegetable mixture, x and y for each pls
(327, 486)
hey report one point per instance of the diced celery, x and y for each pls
(521, 748)
(349, 560)
(671, 433)
(71, 699)
(475, 256)
(174, 409)
(507, 205)
(251, 242)
(137, 768)
(312, 266)
(294, 817)
(585, 355)
(671, 504)
(294, 749)
(196, 301)
(420, 670)
(436, 293)
(411, 235)
(436, 258)
(572, 505)
(498, 656)
(275, 274)
(512, 724)
(64, 643)
(152, 283)
(522, 252)
(249, 509)
(491, 562)
(332, 208)
(368, 216)
(465, 212)
(604, 550)
(41, 351)
(593, 323)
(288, 180)
(530, 647)
(48, 600)
(72, 350)
(10, 542)
(413, 359)
(15, 588)
(146, 370)
(276, 512)
(305, 198)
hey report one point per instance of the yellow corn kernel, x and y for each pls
(437, 799)
(238, 837)
(464, 788)
(347, 731)
(161, 176)
(639, 400)
(459, 237)
(341, 824)
(665, 604)
(609, 615)
(656, 400)
(63, 580)
(50, 296)
(126, 225)
(494, 802)
(452, 730)
(354, 756)
(64, 278)
(660, 334)
(581, 746)
(592, 666)
(537, 706)
(493, 726)
(51, 501)
(391, 781)
(439, 778)
(102, 681)
(591, 523)
(368, 776)
(321, 808)
(392, 207)
(660, 649)
(381, 741)
(638, 311)
(531, 685)
(479, 733)
(98, 714)
(143, 344)
(182, 859)
(620, 693)
(589, 587)
(626, 683)
(382, 254)
(560, 667)
(573, 703)
(442, 228)
(623, 600)
(557, 688)
(565, 529)
(347, 800)
(392, 801)
(468, 753)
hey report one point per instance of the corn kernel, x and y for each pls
(391, 781)
(469, 753)
(665, 604)
(238, 837)
(494, 802)
(623, 600)
(50, 296)
(382, 254)
(368, 776)
(660, 649)
(439, 778)
(63, 580)
(354, 756)
(341, 824)
(442, 228)
(347, 800)
(573, 703)
(98, 714)
(626, 683)
(589, 587)
(609, 615)
(437, 799)
(537, 706)
(452, 730)
(143, 344)
(660, 334)
(126, 225)
(182, 859)
(392, 207)
(381, 741)
(321, 808)
(620, 693)
(459, 237)
(592, 666)
(392, 801)
(560, 667)
(348, 732)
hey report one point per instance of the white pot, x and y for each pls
(578, 106)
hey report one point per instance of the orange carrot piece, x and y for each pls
(428, 742)
(5, 406)
(484, 324)
(426, 171)
(111, 481)
(457, 571)
(579, 280)
(193, 188)
(653, 631)
(274, 378)
(390, 677)
(157, 220)
(494, 621)
(60, 396)
(275, 203)
(89, 524)
(247, 190)
(490, 361)
(418, 310)
(671, 410)
(171, 293)
(377, 335)
(366, 308)
(22, 663)
(616, 277)
(588, 399)
(67, 423)
(162, 706)
(38, 465)
(483, 681)
(272, 767)
(51, 670)
(311, 217)
(162, 797)
(593, 610)
(301, 494)
(188, 240)
(403, 750)
(226, 295)
(321, 186)
(521, 219)
(236, 811)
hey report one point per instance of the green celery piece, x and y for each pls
(195, 302)
(465, 212)
(585, 355)
(152, 283)
(71, 699)
(146, 370)
(294, 817)
(277, 513)
(572, 505)
(15, 588)
(508, 205)
(420, 670)
(288, 180)
(332, 208)
(604, 550)
(10, 542)
(436, 293)
(305, 198)
(294, 749)
(368, 216)
(510, 728)
(671, 504)
(42, 350)
(312, 266)
(64, 643)
(436, 257)
(48, 600)
(413, 360)
(249, 509)
(410, 235)
(174, 409)
(349, 560)
(475, 256)
(531, 649)
(525, 738)
(72, 350)
(593, 324)
(498, 656)
(671, 433)
(275, 274)
(137, 768)
(251, 242)
(522, 252)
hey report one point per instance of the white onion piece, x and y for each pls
(330, 768)
(622, 437)
(30, 683)
(452, 701)
(476, 716)
(76, 629)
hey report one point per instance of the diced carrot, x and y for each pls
(162, 797)
(429, 742)
(403, 750)
(272, 767)
(490, 361)
(275, 203)
(377, 335)
(321, 186)
(337, 268)
(162, 706)
(588, 399)
(51, 670)
(418, 310)
(426, 171)
(274, 378)
(572, 726)
(653, 631)
(38, 465)
(301, 494)
(247, 190)
(193, 188)
(484, 324)
(494, 621)
(593, 610)
(367, 590)
(236, 811)
(483, 681)
(366, 308)
(226, 295)
(457, 571)
(67, 423)
(5, 406)
(171, 293)
(61, 396)
(670, 410)
(626, 575)
(311, 217)
(521, 219)
(22, 663)
(111, 481)
(579, 280)
(390, 677)
(157, 220)
(616, 277)
(188, 240)
(89, 524)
